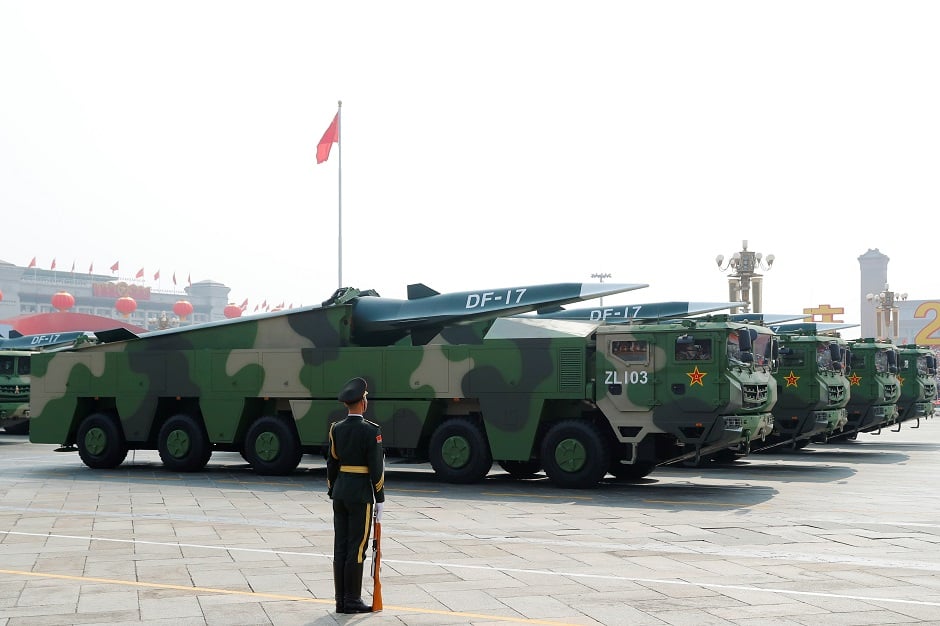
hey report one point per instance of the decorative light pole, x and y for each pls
(744, 279)
(887, 320)
(601, 277)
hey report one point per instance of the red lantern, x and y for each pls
(63, 301)
(232, 310)
(182, 308)
(125, 305)
(1, 296)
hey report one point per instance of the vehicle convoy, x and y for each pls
(917, 373)
(874, 388)
(456, 378)
(812, 386)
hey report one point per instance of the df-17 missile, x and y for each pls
(426, 312)
(766, 319)
(636, 312)
(18, 341)
(810, 328)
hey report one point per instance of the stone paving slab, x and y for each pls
(845, 533)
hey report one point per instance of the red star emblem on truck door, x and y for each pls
(695, 377)
(855, 379)
(791, 379)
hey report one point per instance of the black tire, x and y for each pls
(272, 447)
(460, 453)
(18, 429)
(575, 454)
(100, 442)
(183, 444)
(522, 469)
(635, 471)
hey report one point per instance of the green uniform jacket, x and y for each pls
(355, 467)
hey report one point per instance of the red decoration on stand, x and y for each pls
(125, 305)
(63, 301)
(232, 310)
(183, 308)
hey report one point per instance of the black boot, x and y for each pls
(352, 579)
(339, 582)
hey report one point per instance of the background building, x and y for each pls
(29, 290)
(887, 312)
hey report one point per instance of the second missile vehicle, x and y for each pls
(456, 379)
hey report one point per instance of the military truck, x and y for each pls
(14, 391)
(812, 386)
(455, 381)
(15, 353)
(917, 373)
(874, 388)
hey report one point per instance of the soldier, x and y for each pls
(355, 480)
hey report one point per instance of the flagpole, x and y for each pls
(339, 141)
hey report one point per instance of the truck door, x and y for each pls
(626, 369)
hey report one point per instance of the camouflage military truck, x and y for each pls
(14, 391)
(874, 388)
(812, 387)
(454, 380)
(917, 372)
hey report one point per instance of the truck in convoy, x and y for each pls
(15, 353)
(917, 373)
(456, 379)
(14, 391)
(874, 388)
(812, 386)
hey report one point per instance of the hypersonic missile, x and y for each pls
(636, 312)
(36, 342)
(810, 328)
(380, 321)
(766, 319)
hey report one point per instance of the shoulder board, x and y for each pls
(371, 422)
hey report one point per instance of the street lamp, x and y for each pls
(744, 277)
(601, 277)
(886, 318)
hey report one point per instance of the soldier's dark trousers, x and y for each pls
(352, 526)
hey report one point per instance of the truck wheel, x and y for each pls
(634, 471)
(184, 445)
(460, 453)
(272, 447)
(575, 454)
(100, 442)
(18, 429)
(522, 469)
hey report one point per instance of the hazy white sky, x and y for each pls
(485, 144)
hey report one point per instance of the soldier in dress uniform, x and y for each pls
(355, 482)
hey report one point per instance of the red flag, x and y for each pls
(174, 278)
(330, 137)
(140, 273)
(244, 304)
(91, 267)
(114, 267)
(189, 279)
(256, 308)
(32, 263)
(52, 267)
(73, 267)
(157, 275)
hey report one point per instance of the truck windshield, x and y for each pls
(7, 365)
(881, 361)
(823, 356)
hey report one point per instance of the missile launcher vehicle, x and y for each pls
(458, 380)
(874, 388)
(917, 373)
(812, 387)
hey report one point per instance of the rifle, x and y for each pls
(376, 564)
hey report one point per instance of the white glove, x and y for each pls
(378, 511)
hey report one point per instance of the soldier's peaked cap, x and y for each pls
(353, 391)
